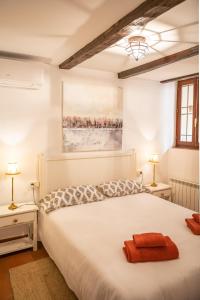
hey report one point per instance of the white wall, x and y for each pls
(27, 122)
(184, 164)
(145, 126)
(30, 123)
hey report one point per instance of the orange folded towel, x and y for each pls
(150, 239)
(134, 254)
(196, 217)
(193, 225)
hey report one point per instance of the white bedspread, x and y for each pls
(85, 241)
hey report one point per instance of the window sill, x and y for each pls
(186, 148)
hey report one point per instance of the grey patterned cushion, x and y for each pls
(70, 196)
(117, 188)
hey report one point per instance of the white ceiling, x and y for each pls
(49, 27)
(178, 69)
(56, 29)
(178, 26)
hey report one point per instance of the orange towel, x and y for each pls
(193, 225)
(150, 239)
(134, 254)
(196, 217)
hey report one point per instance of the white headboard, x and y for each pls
(85, 168)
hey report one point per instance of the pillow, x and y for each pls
(72, 195)
(117, 188)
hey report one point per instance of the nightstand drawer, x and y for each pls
(165, 194)
(18, 218)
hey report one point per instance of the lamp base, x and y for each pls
(154, 184)
(12, 206)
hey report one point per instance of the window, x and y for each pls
(187, 113)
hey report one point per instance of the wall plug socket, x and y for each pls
(35, 184)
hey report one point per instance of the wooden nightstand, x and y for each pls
(25, 214)
(162, 190)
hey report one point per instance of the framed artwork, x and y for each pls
(92, 117)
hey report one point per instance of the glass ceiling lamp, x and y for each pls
(137, 47)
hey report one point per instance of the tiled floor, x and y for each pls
(13, 260)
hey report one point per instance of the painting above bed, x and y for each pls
(92, 117)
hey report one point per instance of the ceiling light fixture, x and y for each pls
(137, 47)
(141, 41)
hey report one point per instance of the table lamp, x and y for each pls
(154, 159)
(12, 170)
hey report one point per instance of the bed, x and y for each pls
(85, 241)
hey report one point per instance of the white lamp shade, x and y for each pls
(154, 158)
(12, 169)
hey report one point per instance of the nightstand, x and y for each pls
(162, 190)
(25, 214)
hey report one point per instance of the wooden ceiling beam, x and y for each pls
(180, 78)
(147, 11)
(158, 63)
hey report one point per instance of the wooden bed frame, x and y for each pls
(83, 168)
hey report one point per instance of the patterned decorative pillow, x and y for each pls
(72, 195)
(117, 188)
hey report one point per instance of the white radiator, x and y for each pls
(185, 193)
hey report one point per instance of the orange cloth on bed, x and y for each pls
(134, 254)
(193, 225)
(149, 239)
(196, 217)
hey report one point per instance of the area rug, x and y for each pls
(39, 280)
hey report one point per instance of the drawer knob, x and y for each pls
(15, 221)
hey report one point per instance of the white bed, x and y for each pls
(85, 241)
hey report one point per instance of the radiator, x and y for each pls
(185, 193)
